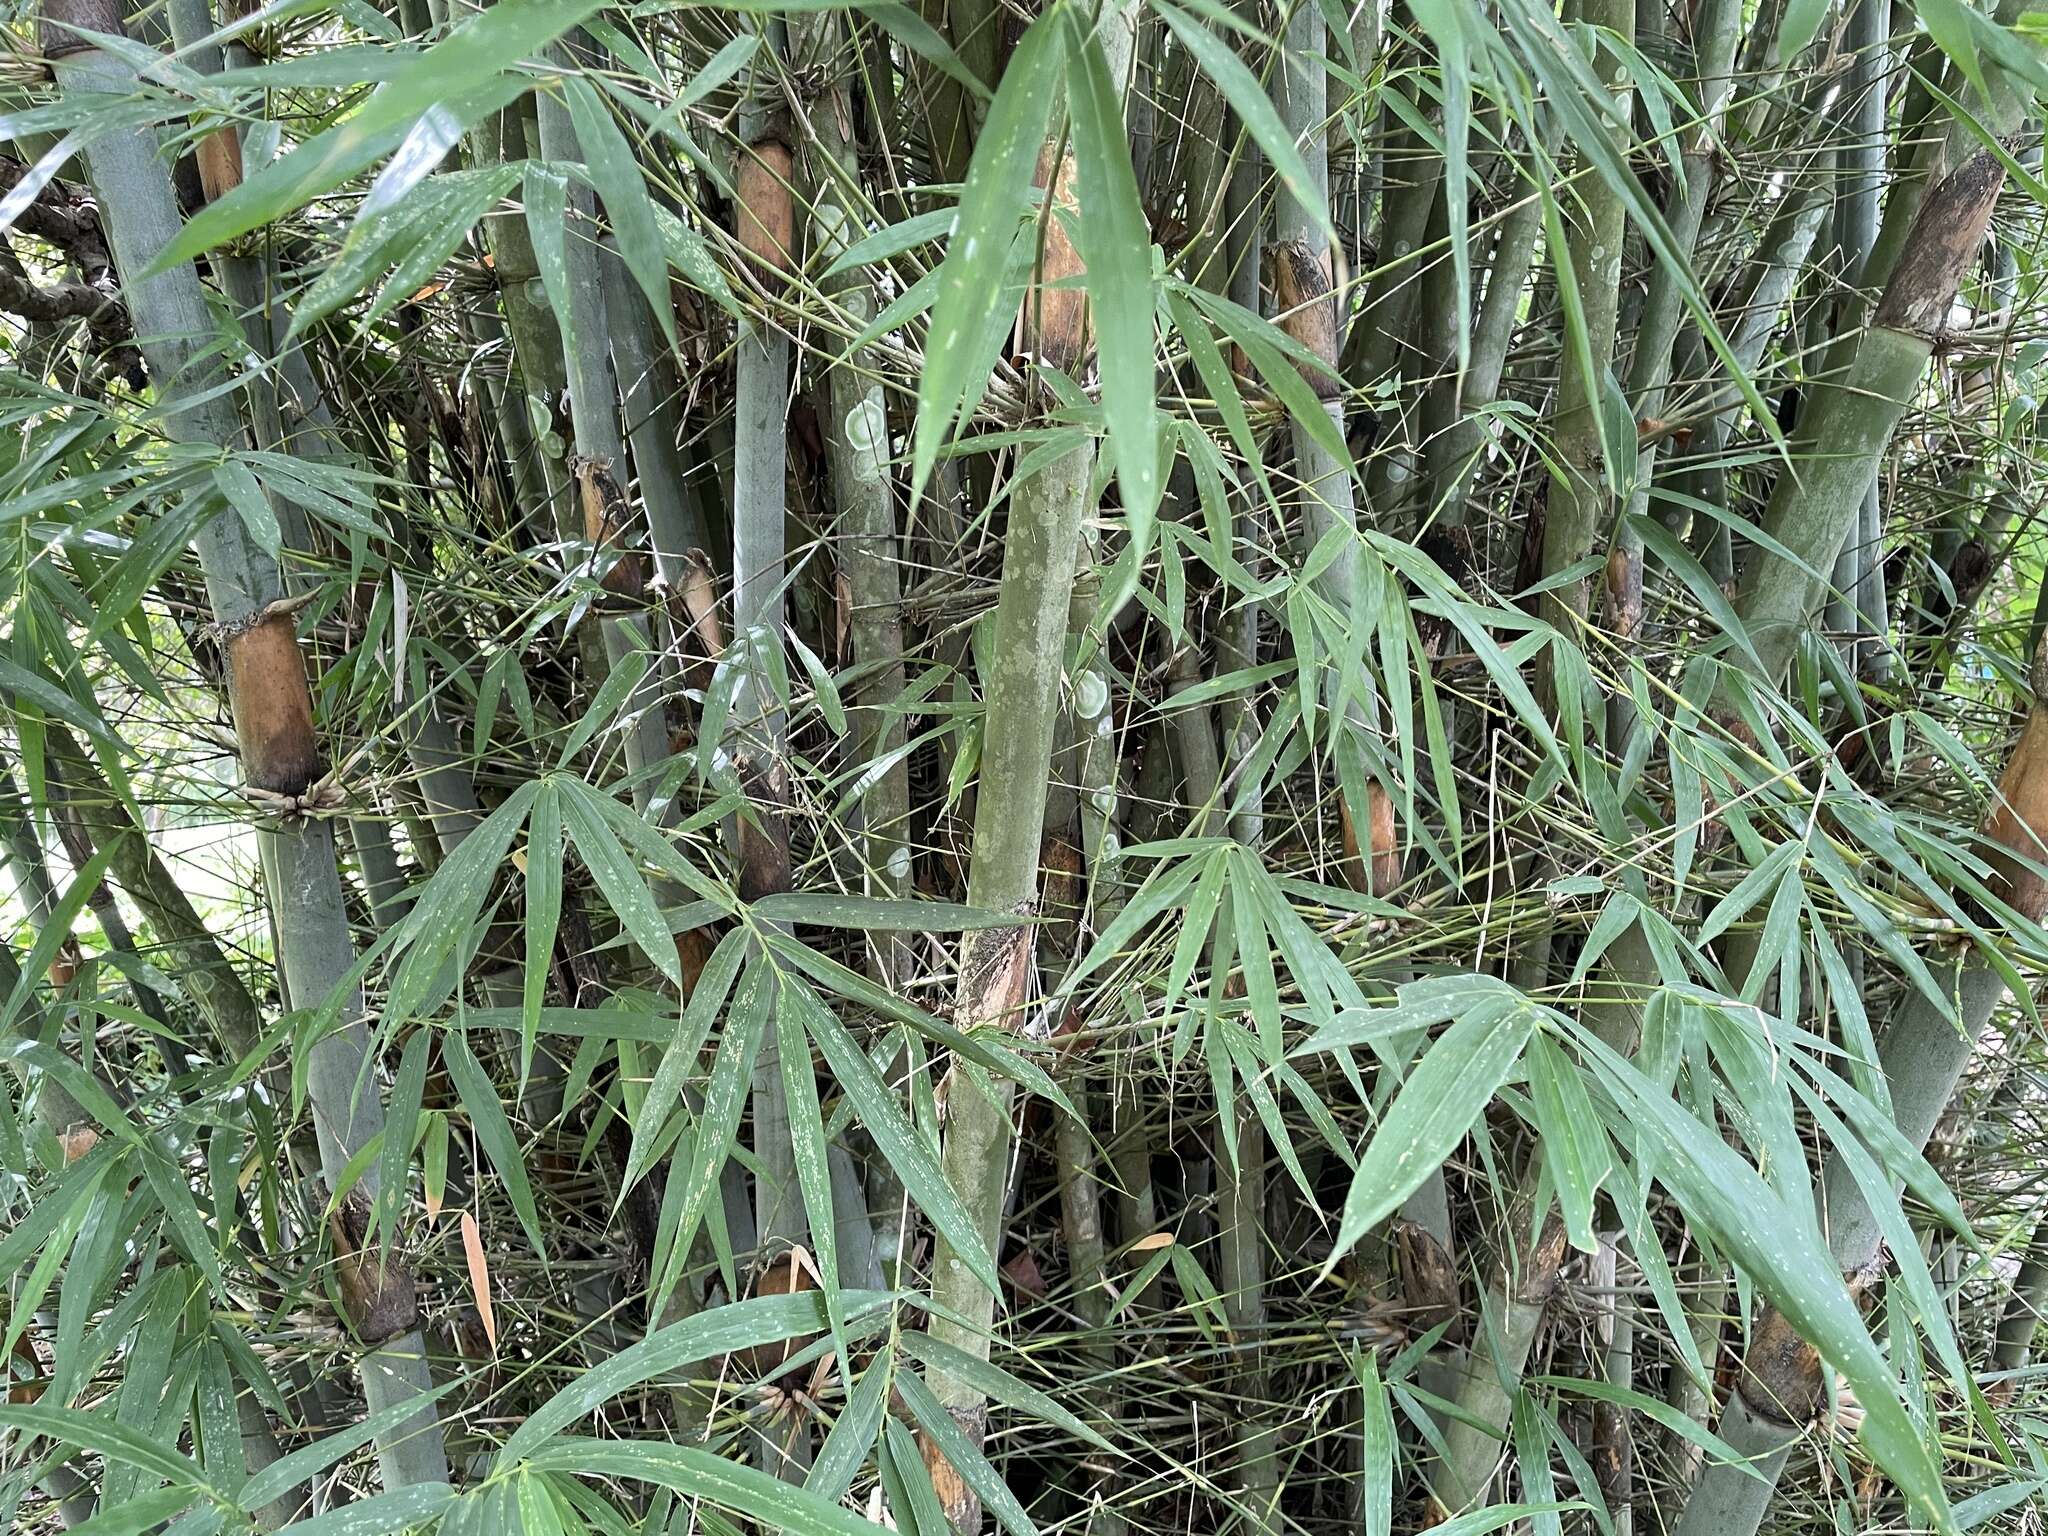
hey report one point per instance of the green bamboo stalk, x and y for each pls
(762, 402)
(1813, 512)
(384, 884)
(646, 374)
(274, 721)
(857, 442)
(1379, 340)
(1020, 698)
(952, 113)
(61, 1114)
(756, 739)
(2024, 1309)
(1239, 1155)
(540, 373)
(1577, 511)
(1717, 28)
(598, 465)
(1454, 430)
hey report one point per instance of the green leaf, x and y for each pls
(718, 1121)
(69, 1427)
(699, 1474)
(619, 683)
(239, 486)
(18, 684)
(992, 202)
(614, 174)
(288, 1471)
(1530, 1427)
(807, 1151)
(924, 40)
(866, 914)
(1376, 1429)
(966, 1457)
(738, 1325)
(1783, 1254)
(690, 256)
(853, 1436)
(901, 1147)
(381, 126)
(450, 906)
(1254, 109)
(479, 1096)
(1448, 1090)
(618, 877)
(1656, 1409)
(131, 1517)
(402, 1509)
(545, 190)
(543, 915)
(1574, 1141)
(995, 1384)
(1116, 248)
(679, 1058)
(918, 229)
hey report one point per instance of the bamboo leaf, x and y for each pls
(996, 1384)
(1783, 1255)
(901, 1147)
(717, 1123)
(1376, 1427)
(402, 1509)
(1116, 246)
(970, 281)
(543, 915)
(1254, 109)
(1448, 1090)
(1574, 1142)
(618, 878)
(296, 1467)
(853, 1435)
(699, 1474)
(614, 174)
(401, 1122)
(98, 1433)
(479, 1096)
(739, 1325)
(965, 1456)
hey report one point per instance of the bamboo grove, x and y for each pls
(1177, 765)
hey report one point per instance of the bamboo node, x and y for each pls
(281, 608)
(322, 799)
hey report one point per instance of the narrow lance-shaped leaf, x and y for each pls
(1436, 1106)
(992, 202)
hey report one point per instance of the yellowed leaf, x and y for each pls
(1151, 1241)
(479, 1276)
